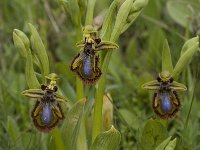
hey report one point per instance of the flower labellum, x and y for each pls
(46, 116)
(85, 65)
(166, 102)
(47, 111)
(166, 105)
(86, 62)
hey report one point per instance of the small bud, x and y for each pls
(98, 21)
(19, 44)
(23, 37)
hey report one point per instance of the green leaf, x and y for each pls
(166, 58)
(188, 50)
(72, 9)
(12, 128)
(179, 11)
(162, 145)
(130, 118)
(57, 137)
(108, 140)
(153, 134)
(171, 145)
(31, 78)
(73, 120)
(188, 44)
(39, 49)
(14, 133)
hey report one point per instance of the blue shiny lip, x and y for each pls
(87, 68)
(46, 116)
(166, 104)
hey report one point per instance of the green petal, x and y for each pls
(104, 45)
(152, 85)
(80, 43)
(178, 86)
(33, 93)
(60, 98)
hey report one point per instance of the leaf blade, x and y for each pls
(108, 140)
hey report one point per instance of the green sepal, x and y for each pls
(88, 29)
(166, 58)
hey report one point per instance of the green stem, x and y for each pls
(79, 95)
(89, 18)
(82, 143)
(189, 112)
(79, 83)
(97, 122)
(57, 137)
(90, 12)
(79, 89)
(192, 99)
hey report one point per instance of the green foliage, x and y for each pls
(152, 135)
(31, 78)
(108, 140)
(73, 124)
(180, 11)
(167, 144)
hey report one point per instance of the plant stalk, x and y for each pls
(97, 122)
(79, 83)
